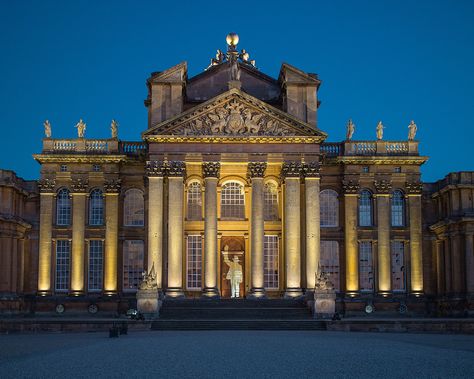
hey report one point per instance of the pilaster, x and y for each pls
(351, 190)
(383, 235)
(413, 190)
(111, 189)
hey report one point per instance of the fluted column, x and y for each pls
(112, 189)
(469, 263)
(351, 190)
(313, 231)
(256, 173)
(383, 235)
(414, 204)
(79, 188)
(46, 187)
(291, 172)
(155, 174)
(176, 171)
(210, 171)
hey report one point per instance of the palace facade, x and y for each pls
(233, 170)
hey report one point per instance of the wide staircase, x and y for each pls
(236, 314)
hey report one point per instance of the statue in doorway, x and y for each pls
(234, 274)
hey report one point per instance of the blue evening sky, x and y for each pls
(379, 60)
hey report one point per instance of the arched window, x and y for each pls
(329, 208)
(233, 201)
(133, 208)
(194, 201)
(96, 207)
(398, 208)
(365, 208)
(63, 207)
(270, 196)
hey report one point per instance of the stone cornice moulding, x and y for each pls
(76, 158)
(379, 160)
(230, 139)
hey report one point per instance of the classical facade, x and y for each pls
(233, 191)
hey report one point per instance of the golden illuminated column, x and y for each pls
(383, 235)
(46, 187)
(79, 188)
(291, 172)
(256, 172)
(469, 262)
(313, 231)
(155, 173)
(351, 190)
(210, 171)
(112, 189)
(414, 206)
(176, 171)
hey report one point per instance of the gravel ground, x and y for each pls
(237, 354)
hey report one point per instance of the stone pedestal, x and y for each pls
(324, 304)
(148, 303)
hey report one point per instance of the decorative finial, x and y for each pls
(412, 128)
(232, 40)
(350, 130)
(232, 55)
(47, 129)
(81, 128)
(114, 128)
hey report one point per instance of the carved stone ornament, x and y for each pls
(256, 169)
(311, 169)
(175, 168)
(46, 185)
(79, 185)
(211, 169)
(149, 279)
(383, 186)
(350, 186)
(414, 187)
(291, 169)
(112, 186)
(322, 282)
(155, 168)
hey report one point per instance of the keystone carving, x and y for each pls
(46, 185)
(211, 169)
(291, 169)
(79, 185)
(414, 187)
(350, 186)
(383, 186)
(311, 169)
(256, 169)
(112, 186)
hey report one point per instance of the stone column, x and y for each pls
(155, 174)
(351, 190)
(441, 285)
(46, 187)
(291, 172)
(176, 171)
(79, 188)
(313, 232)
(383, 235)
(457, 263)
(256, 173)
(210, 171)
(414, 204)
(112, 189)
(469, 263)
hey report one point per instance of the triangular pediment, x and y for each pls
(234, 114)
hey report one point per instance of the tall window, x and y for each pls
(232, 200)
(398, 208)
(96, 265)
(63, 207)
(329, 261)
(194, 201)
(96, 207)
(398, 266)
(63, 254)
(366, 269)
(133, 256)
(270, 196)
(194, 262)
(365, 208)
(133, 208)
(329, 208)
(270, 262)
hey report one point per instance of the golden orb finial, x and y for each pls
(232, 39)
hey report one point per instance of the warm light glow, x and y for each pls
(111, 230)
(232, 39)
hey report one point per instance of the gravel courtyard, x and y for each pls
(237, 354)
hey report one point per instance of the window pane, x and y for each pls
(63, 208)
(232, 201)
(134, 208)
(329, 208)
(96, 208)
(398, 266)
(398, 208)
(194, 262)
(133, 256)
(329, 261)
(62, 265)
(270, 262)
(366, 271)
(365, 208)
(270, 196)
(194, 201)
(96, 265)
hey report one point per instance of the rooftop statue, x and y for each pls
(114, 129)
(232, 56)
(380, 129)
(81, 128)
(412, 128)
(350, 130)
(47, 129)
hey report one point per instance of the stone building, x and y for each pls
(234, 173)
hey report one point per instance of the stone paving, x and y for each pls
(237, 354)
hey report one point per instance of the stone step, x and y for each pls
(234, 313)
(233, 303)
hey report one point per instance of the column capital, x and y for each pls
(155, 168)
(383, 186)
(291, 169)
(414, 188)
(112, 186)
(311, 169)
(256, 169)
(350, 186)
(46, 185)
(211, 169)
(79, 185)
(175, 168)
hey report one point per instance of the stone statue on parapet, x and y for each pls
(412, 128)
(81, 128)
(47, 129)
(218, 59)
(350, 130)
(114, 129)
(379, 130)
(149, 279)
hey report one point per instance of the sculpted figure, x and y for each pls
(114, 129)
(380, 129)
(81, 128)
(350, 130)
(412, 131)
(234, 69)
(149, 279)
(245, 56)
(47, 129)
(234, 274)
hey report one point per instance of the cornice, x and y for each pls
(229, 139)
(78, 158)
(379, 160)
